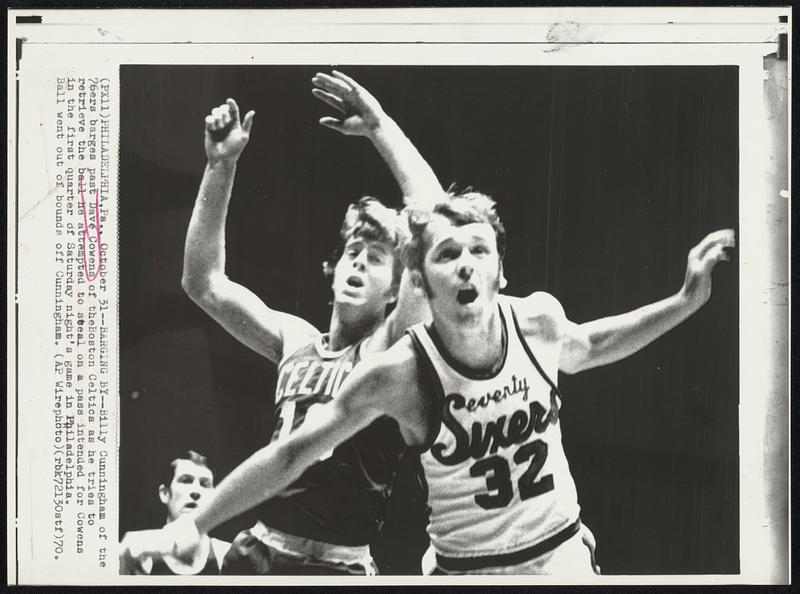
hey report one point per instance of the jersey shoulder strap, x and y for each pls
(430, 382)
(527, 348)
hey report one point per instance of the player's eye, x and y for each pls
(205, 483)
(448, 254)
(185, 478)
(479, 249)
(376, 258)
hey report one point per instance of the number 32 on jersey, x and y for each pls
(497, 471)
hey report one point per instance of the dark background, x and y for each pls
(605, 178)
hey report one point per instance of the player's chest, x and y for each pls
(303, 377)
(479, 418)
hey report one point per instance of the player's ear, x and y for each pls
(163, 494)
(417, 282)
(501, 279)
(328, 269)
(392, 293)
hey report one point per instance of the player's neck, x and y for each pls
(477, 347)
(348, 327)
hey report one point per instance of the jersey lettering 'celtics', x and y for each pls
(311, 376)
(341, 498)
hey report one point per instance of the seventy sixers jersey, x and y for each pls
(497, 476)
(340, 499)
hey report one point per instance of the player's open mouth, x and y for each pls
(355, 281)
(467, 295)
(191, 505)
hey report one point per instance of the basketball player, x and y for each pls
(476, 390)
(326, 519)
(187, 481)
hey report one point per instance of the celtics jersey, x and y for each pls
(498, 480)
(341, 499)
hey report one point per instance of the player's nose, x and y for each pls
(195, 495)
(465, 272)
(360, 261)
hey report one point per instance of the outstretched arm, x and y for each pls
(610, 339)
(390, 384)
(362, 115)
(383, 386)
(236, 308)
(274, 467)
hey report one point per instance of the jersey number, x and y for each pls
(287, 422)
(500, 478)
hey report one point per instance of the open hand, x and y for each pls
(226, 135)
(701, 262)
(361, 112)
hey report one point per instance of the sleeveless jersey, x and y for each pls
(341, 499)
(498, 480)
(212, 566)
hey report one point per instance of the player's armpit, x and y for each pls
(247, 318)
(576, 347)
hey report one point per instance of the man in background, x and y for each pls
(187, 480)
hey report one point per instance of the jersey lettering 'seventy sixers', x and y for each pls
(498, 480)
(341, 499)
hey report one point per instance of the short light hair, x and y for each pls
(370, 220)
(460, 209)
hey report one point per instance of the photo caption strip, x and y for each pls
(81, 399)
(68, 372)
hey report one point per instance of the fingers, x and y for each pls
(247, 124)
(331, 84)
(343, 77)
(219, 118)
(717, 254)
(233, 108)
(328, 98)
(331, 123)
(724, 238)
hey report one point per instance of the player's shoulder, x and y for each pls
(397, 366)
(381, 379)
(398, 358)
(539, 314)
(300, 335)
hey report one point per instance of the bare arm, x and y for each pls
(610, 339)
(389, 383)
(375, 388)
(236, 308)
(362, 115)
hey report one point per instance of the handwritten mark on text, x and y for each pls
(91, 232)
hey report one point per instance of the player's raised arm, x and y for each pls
(236, 308)
(610, 339)
(362, 115)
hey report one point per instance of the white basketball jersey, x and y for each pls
(497, 477)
